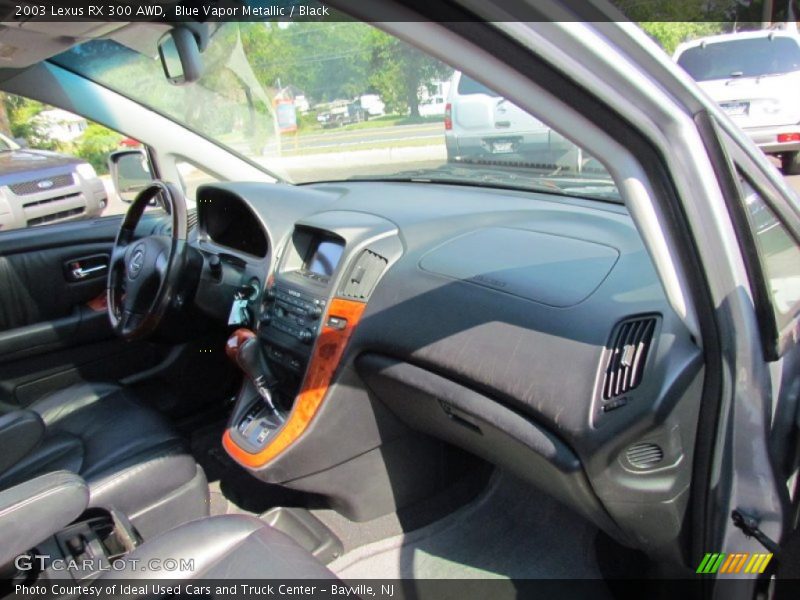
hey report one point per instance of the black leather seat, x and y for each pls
(234, 547)
(131, 459)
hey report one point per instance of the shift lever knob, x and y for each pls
(252, 361)
(234, 342)
(243, 348)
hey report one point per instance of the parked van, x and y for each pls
(755, 78)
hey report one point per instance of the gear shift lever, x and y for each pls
(243, 348)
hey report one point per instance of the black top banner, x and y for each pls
(177, 11)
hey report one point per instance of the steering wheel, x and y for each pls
(144, 274)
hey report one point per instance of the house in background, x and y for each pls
(60, 125)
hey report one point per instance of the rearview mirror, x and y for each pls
(180, 56)
(130, 172)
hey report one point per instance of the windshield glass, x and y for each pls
(341, 100)
(755, 57)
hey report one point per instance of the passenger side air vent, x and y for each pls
(191, 220)
(627, 356)
(363, 276)
(644, 455)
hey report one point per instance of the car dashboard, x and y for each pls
(528, 329)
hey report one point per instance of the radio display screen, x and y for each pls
(324, 257)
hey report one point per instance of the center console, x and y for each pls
(312, 302)
(297, 298)
(290, 320)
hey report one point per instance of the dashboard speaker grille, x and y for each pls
(644, 455)
(363, 276)
(627, 356)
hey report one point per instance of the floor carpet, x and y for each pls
(509, 532)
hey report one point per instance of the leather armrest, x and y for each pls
(33, 511)
(20, 432)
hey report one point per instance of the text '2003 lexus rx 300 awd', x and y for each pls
(561, 347)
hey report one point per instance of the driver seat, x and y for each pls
(132, 460)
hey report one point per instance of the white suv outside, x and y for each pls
(755, 78)
(480, 125)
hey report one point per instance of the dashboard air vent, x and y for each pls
(363, 276)
(627, 356)
(191, 219)
(644, 455)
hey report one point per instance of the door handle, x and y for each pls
(85, 268)
(79, 272)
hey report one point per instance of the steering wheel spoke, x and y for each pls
(117, 259)
(130, 322)
(162, 264)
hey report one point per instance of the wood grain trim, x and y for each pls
(325, 359)
(238, 337)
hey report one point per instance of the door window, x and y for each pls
(53, 165)
(778, 252)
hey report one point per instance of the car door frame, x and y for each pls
(681, 212)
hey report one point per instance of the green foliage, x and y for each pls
(399, 70)
(22, 114)
(747, 13)
(305, 55)
(95, 144)
(333, 61)
(671, 33)
(307, 121)
(695, 11)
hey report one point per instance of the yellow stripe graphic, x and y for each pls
(752, 566)
(767, 558)
(758, 563)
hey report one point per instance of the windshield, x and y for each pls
(755, 57)
(342, 101)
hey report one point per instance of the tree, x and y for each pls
(696, 11)
(23, 123)
(327, 61)
(669, 34)
(399, 70)
(5, 122)
(95, 144)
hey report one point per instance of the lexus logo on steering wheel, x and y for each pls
(136, 263)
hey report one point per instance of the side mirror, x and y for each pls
(130, 172)
(180, 56)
